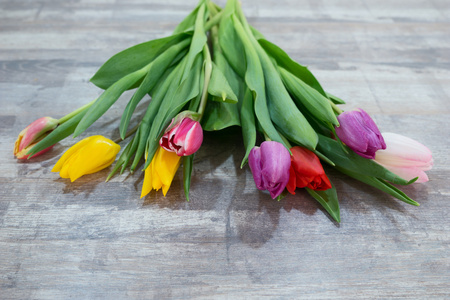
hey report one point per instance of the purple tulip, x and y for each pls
(270, 166)
(358, 131)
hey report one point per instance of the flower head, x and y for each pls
(359, 132)
(270, 165)
(160, 172)
(405, 157)
(306, 171)
(88, 156)
(184, 136)
(32, 134)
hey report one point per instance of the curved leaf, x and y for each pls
(133, 59)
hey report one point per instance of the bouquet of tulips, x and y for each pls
(217, 71)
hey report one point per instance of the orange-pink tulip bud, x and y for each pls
(32, 134)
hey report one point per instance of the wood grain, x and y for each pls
(90, 239)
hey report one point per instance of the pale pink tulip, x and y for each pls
(405, 157)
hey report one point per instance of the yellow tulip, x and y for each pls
(88, 156)
(160, 172)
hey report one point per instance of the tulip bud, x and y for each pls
(32, 134)
(405, 157)
(306, 171)
(184, 136)
(270, 165)
(360, 133)
(88, 156)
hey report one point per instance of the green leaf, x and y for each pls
(335, 99)
(230, 43)
(318, 105)
(125, 156)
(133, 59)
(152, 109)
(188, 162)
(352, 162)
(329, 200)
(156, 70)
(292, 66)
(258, 35)
(248, 125)
(381, 185)
(254, 77)
(220, 115)
(199, 40)
(219, 87)
(108, 98)
(58, 134)
(178, 95)
(288, 118)
(188, 22)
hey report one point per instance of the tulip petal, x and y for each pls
(405, 157)
(308, 170)
(409, 173)
(70, 152)
(182, 137)
(88, 156)
(147, 185)
(254, 161)
(360, 133)
(270, 165)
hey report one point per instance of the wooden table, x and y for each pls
(90, 239)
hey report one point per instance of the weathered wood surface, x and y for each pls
(91, 239)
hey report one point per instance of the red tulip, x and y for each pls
(32, 134)
(306, 171)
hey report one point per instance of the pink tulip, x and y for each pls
(184, 136)
(405, 157)
(270, 166)
(32, 134)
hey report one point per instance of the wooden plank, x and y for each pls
(91, 239)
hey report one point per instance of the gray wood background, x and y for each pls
(92, 239)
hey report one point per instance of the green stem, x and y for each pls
(133, 130)
(75, 112)
(208, 70)
(213, 21)
(335, 107)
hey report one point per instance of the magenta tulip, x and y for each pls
(405, 157)
(270, 166)
(183, 136)
(360, 133)
(32, 134)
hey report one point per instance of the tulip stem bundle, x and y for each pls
(216, 71)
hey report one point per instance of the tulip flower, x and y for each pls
(405, 157)
(160, 172)
(270, 165)
(360, 133)
(184, 136)
(88, 156)
(32, 134)
(306, 171)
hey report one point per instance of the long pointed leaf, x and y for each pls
(329, 200)
(381, 185)
(157, 68)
